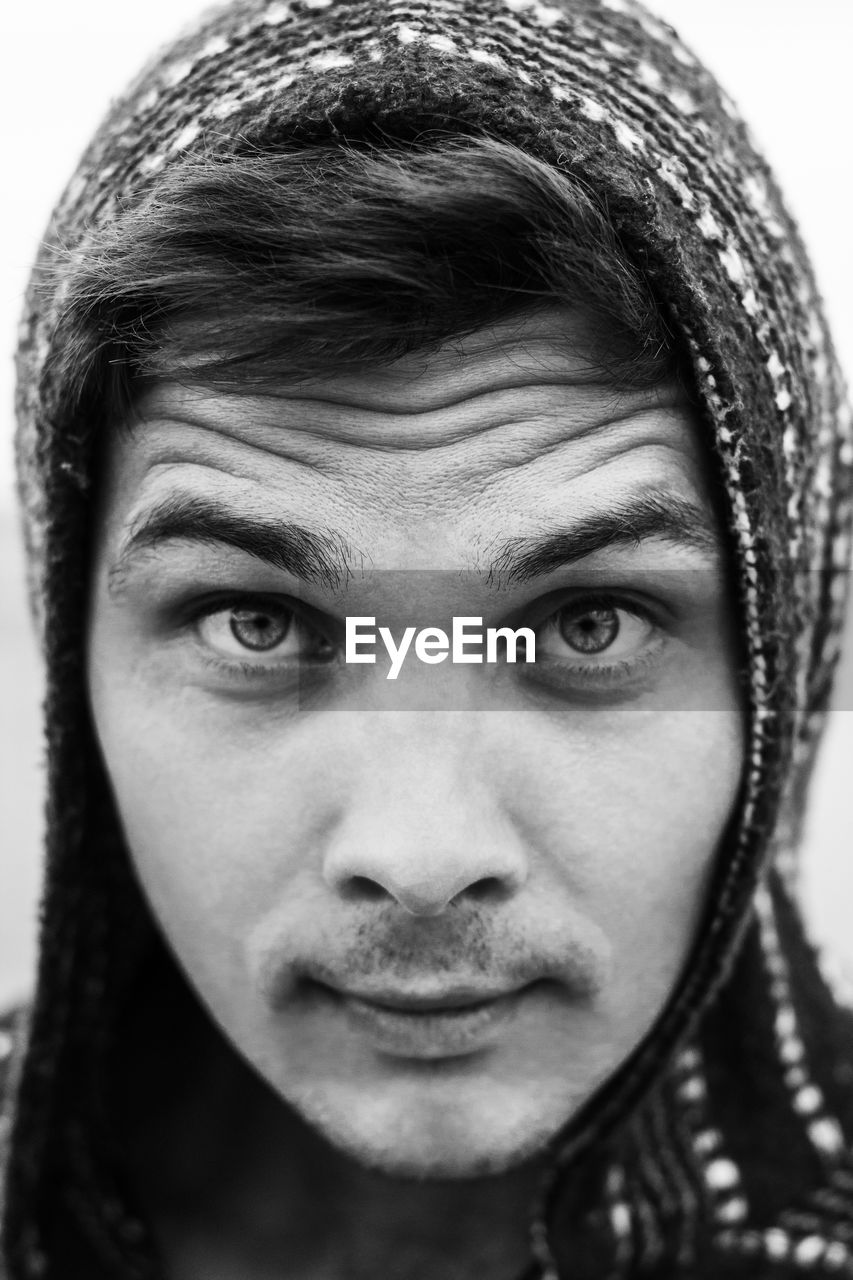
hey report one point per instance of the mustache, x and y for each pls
(466, 947)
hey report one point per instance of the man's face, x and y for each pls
(436, 912)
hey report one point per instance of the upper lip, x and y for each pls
(427, 1002)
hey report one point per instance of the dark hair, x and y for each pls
(285, 265)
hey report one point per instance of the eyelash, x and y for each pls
(253, 671)
(603, 674)
(594, 674)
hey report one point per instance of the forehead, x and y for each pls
(507, 428)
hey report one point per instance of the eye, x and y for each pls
(260, 630)
(591, 629)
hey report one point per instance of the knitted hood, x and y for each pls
(722, 1146)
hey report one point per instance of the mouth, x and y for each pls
(446, 1024)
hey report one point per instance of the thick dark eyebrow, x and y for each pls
(318, 557)
(632, 521)
(325, 559)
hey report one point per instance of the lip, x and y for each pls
(451, 999)
(441, 1025)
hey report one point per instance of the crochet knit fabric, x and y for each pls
(723, 1147)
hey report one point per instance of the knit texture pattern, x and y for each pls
(723, 1147)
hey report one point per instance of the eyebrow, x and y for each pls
(322, 558)
(325, 558)
(637, 519)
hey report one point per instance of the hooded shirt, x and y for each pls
(722, 1147)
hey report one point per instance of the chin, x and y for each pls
(420, 1139)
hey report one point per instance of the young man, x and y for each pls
(437, 481)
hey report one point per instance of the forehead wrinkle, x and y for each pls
(524, 446)
(653, 456)
(604, 443)
(230, 462)
(526, 350)
(260, 421)
(209, 478)
(237, 480)
(429, 494)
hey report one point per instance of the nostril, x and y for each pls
(363, 889)
(489, 889)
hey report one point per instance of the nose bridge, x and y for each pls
(423, 826)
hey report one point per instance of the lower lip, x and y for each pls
(434, 1033)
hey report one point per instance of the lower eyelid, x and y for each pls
(261, 665)
(575, 676)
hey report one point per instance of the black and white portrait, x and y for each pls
(425, 532)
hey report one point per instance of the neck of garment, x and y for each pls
(739, 1162)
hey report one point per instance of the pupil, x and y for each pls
(592, 631)
(257, 630)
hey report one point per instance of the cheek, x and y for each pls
(654, 796)
(221, 818)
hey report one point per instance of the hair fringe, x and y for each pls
(281, 266)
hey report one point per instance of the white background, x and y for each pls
(785, 61)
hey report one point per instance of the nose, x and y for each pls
(425, 845)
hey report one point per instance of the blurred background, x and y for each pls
(787, 64)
